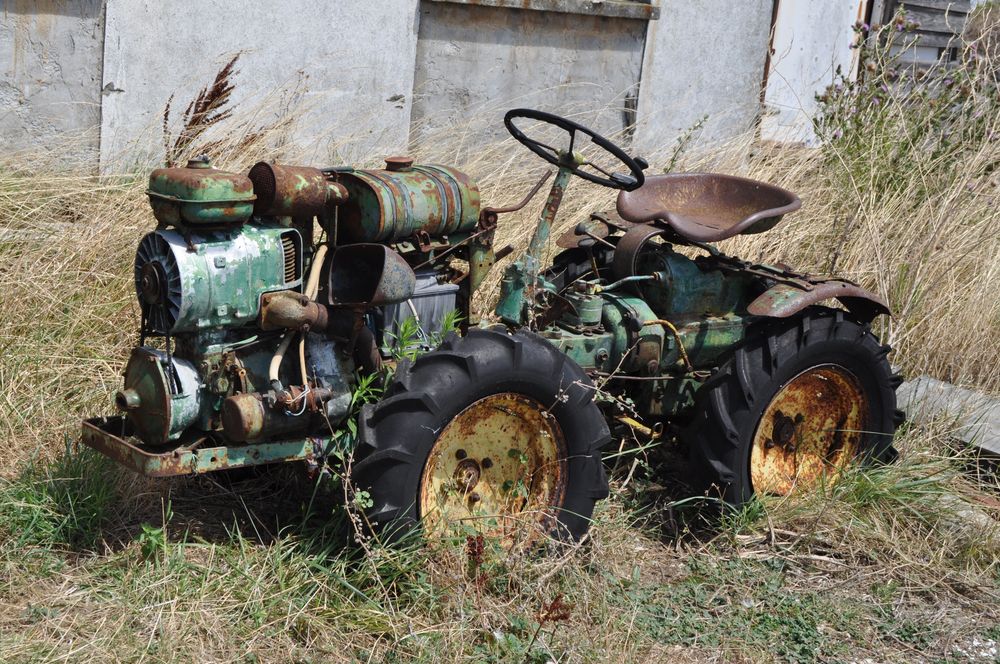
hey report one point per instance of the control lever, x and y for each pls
(582, 229)
(488, 216)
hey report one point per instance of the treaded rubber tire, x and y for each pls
(731, 402)
(396, 434)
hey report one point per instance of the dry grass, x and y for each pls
(898, 564)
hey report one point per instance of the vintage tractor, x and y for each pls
(255, 336)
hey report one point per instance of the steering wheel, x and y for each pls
(635, 165)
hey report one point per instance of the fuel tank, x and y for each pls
(392, 204)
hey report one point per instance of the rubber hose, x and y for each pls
(311, 290)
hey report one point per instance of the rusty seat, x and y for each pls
(707, 207)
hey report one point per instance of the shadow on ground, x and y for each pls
(83, 502)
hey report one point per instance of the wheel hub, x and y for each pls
(467, 474)
(813, 426)
(499, 465)
(784, 430)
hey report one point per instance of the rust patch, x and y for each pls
(707, 207)
(293, 191)
(114, 437)
(498, 466)
(813, 427)
(363, 275)
(787, 299)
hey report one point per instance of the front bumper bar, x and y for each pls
(113, 437)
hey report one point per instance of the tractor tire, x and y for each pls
(486, 430)
(796, 400)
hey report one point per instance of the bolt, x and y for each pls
(460, 454)
(602, 356)
(768, 444)
(651, 367)
(487, 462)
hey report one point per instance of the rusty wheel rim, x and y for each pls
(812, 428)
(497, 469)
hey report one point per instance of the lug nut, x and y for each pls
(487, 463)
(460, 454)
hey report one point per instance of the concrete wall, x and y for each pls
(479, 61)
(704, 63)
(351, 61)
(811, 39)
(366, 84)
(50, 74)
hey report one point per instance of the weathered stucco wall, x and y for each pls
(475, 62)
(50, 73)
(811, 39)
(704, 63)
(363, 83)
(351, 60)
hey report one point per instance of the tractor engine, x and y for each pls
(259, 329)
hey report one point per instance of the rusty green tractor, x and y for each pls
(270, 300)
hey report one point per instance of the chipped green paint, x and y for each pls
(685, 288)
(219, 284)
(706, 339)
(513, 289)
(395, 204)
(199, 195)
(112, 437)
(158, 411)
(789, 298)
(520, 279)
(590, 351)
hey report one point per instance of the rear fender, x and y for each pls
(786, 299)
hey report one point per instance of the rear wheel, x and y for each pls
(492, 433)
(796, 403)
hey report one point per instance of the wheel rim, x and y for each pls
(498, 465)
(812, 428)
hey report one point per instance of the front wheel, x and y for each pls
(797, 402)
(493, 433)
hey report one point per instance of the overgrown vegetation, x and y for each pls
(894, 564)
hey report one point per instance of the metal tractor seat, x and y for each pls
(707, 207)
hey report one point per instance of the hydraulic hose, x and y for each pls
(677, 337)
